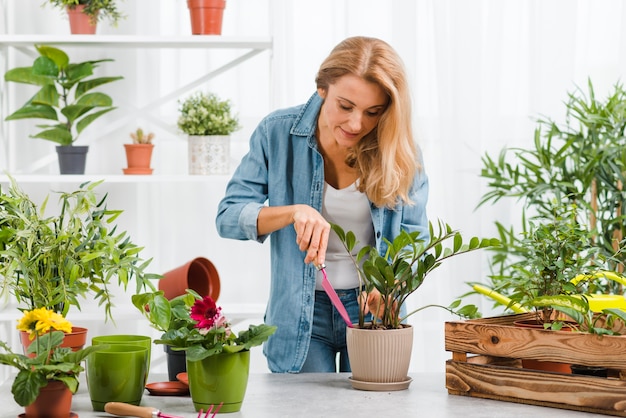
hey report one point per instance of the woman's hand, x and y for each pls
(373, 302)
(312, 232)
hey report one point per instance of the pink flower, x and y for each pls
(207, 313)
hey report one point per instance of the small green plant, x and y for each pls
(65, 97)
(140, 138)
(205, 114)
(95, 9)
(197, 326)
(50, 361)
(392, 277)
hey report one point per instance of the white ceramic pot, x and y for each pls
(209, 154)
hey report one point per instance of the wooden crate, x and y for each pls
(486, 363)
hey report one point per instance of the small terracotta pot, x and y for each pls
(75, 340)
(53, 401)
(206, 16)
(198, 274)
(80, 23)
(138, 157)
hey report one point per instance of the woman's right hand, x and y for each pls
(312, 232)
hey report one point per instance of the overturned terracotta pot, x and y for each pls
(199, 275)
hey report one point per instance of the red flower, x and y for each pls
(206, 312)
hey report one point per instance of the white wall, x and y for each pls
(481, 70)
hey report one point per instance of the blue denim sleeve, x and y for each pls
(246, 193)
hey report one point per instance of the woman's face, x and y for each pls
(352, 108)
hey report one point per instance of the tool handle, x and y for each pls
(127, 410)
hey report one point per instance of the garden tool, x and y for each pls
(334, 298)
(210, 410)
(127, 410)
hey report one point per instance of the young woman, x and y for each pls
(346, 157)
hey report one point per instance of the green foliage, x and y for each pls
(404, 267)
(181, 332)
(95, 9)
(50, 362)
(52, 261)
(65, 95)
(205, 114)
(581, 162)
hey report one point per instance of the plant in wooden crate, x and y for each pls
(387, 281)
(53, 261)
(582, 162)
(66, 98)
(208, 121)
(48, 373)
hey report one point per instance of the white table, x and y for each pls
(327, 395)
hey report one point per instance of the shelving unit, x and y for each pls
(249, 48)
(150, 214)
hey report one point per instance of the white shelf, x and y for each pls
(131, 41)
(115, 178)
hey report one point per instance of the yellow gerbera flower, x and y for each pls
(41, 320)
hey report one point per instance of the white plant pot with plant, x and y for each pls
(387, 280)
(208, 122)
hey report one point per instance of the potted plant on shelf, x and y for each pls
(167, 315)
(85, 14)
(387, 281)
(48, 373)
(208, 121)
(218, 359)
(139, 153)
(54, 261)
(66, 98)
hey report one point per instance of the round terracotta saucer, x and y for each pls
(183, 378)
(357, 384)
(72, 415)
(168, 389)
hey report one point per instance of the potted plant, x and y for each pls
(85, 14)
(54, 261)
(66, 98)
(580, 162)
(208, 121)
(167, 315)
(387, 281)
(48, 373)
(217, 358)
(139, 153)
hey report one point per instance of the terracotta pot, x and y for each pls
(53, 401)
(74, 340)
(550, 366)
(80, 23)
(138, 157)
(380, 359)
(206, 16)
(198, 274)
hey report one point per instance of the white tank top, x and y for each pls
(349, 209)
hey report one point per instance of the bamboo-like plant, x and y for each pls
(582, 162)
(54, 261)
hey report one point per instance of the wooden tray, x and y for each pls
(486, 363)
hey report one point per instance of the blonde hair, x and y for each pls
(386, 159)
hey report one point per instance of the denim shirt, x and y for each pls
(285, 167)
